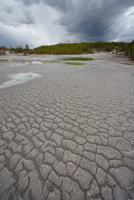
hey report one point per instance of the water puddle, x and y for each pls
(24, 76)
(14, 62)
(20, 62)
(19, 78)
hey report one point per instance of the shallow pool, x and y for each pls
(19, 78)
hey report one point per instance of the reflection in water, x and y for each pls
(19, 78)
(27, 62)
(20, 62)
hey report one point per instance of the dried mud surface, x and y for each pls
(69, 134)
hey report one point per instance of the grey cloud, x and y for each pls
(27, 19)
(7, 40)
(29, 2)
(94, 20)
(8, 9)
(13, 14)
(5, 7)
(60, 5)
(17, 40)
(63, 6)
(87, 20)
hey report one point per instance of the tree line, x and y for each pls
(77, 48)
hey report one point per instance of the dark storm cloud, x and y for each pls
(39, 22)
(90, 20)
(94, 20)
(63, 6)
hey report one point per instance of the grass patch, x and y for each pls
(77, 58)
(74, 63)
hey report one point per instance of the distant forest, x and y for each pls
(77, 48)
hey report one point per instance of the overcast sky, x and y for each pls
(46, 22)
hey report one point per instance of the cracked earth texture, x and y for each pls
(68, 134)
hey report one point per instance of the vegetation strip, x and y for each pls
(127, 63)
(75, 48)
(74, 63)
(77, 58)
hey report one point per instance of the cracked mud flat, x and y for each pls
(68, 134)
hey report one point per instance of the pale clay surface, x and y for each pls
(68, 135)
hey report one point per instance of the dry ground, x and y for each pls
(70, 133)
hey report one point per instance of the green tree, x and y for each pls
(27, 48)
(132, 50)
